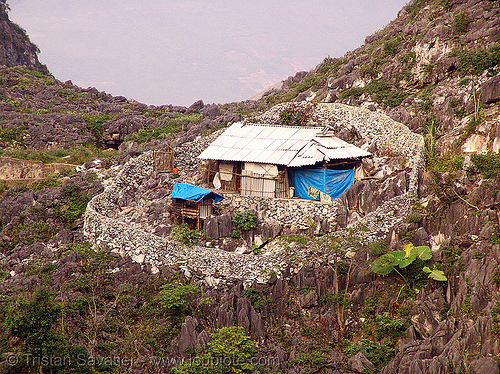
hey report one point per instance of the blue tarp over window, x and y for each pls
(186, 191)
(331, 182)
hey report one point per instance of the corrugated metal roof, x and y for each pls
(279, 145)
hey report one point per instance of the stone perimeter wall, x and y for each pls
(215, 266)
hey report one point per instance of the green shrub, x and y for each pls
(188, 236)
(414, 8)
(11, 134)
(335, 299)
(171, 126)
(40, 231)
(76, 203)
(495, 235)
(389, 326)
(330, 64)
(313, 359)
(95, 122)
(390, 47)
(450, 162)
(296, 115)
(461, 21)
(235, 233)
(395, 98)
(353, 91)
(246, 220)
(446, 4)
(255, 297)
(34, 321)
(426, 97)
(175, 296)
(378, 354)
(408, 58)
(231, 342)
(229, 351)
(378, 248)
(477, 61)
(295, 239)
(414, 218)
(488, 164)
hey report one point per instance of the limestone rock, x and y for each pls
(360, 364)
(490, 90)
(485, 365)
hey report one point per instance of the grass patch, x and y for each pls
(163, 131)
(487, 164)
(471, 61)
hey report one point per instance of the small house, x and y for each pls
(282, 161)
(191, 204)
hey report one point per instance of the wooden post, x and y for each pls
(198, 217)
(287, 184)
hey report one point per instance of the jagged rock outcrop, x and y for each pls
(490, 90)
(16, 47)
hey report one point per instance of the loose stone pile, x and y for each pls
(214, 266)
(186, 153)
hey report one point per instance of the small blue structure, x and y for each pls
(187, 191)
(193, 202)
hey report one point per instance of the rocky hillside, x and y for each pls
(39, 112)
(436, 63)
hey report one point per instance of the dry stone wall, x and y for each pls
(211, 265)
(292, 215)
(214, 266)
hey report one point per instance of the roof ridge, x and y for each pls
(283, 126)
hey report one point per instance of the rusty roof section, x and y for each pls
(280, 145)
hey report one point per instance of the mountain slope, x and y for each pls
(16, 47)
(424, 66)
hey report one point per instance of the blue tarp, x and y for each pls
(331, 182)
(186, 191)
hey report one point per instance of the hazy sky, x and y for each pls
(179, 51)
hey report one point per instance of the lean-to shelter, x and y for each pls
(193, 203)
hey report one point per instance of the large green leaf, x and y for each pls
(423, 252)
(411, 253)
(384, 264)
(435, 274)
